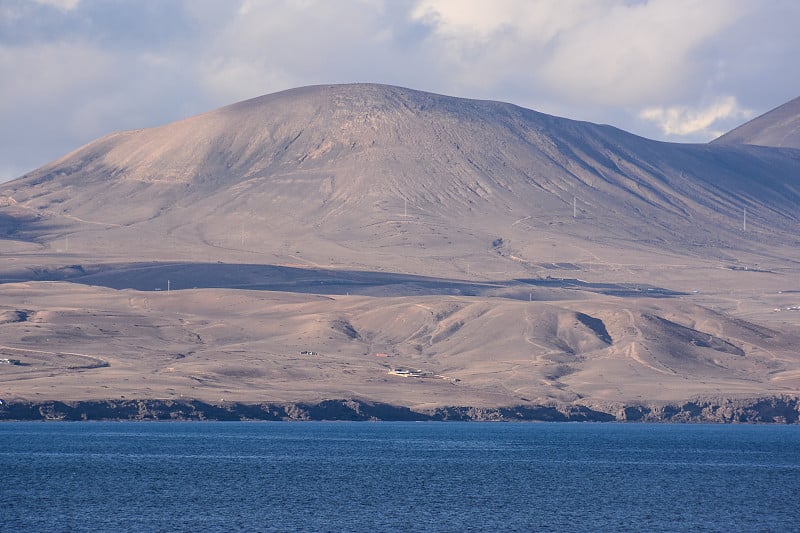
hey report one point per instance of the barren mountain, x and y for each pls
(779, 128)
(357, 174)
(388, 245)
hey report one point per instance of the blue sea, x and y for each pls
(386, 476)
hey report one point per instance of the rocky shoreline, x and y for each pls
(765, 410)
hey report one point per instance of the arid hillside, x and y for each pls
(388, 245)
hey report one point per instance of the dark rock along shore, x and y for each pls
(780, 410)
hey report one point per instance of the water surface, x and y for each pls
(394, 476)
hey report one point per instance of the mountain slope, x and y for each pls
(357, 174)
(778, 128)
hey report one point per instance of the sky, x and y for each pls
(672, 70)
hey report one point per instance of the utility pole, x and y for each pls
(744, 220)
(574, 207)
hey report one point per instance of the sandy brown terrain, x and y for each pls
(401, 248)
(80, 342)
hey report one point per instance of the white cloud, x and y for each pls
(277, 45)
(41, 85)
(232, 79)
(60, 93)
(534, 21)
(43, 73)
(607, 52)
(684, 120)
(633, 54)
(63, 5)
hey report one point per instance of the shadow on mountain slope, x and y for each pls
(158, 276)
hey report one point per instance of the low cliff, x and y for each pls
(781, 410)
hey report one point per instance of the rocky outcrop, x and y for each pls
(775, 410)
(198, 410)
(768, 410)
(540, 413)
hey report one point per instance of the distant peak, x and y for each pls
(778, 128)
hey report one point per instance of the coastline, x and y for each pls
(761, 410)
